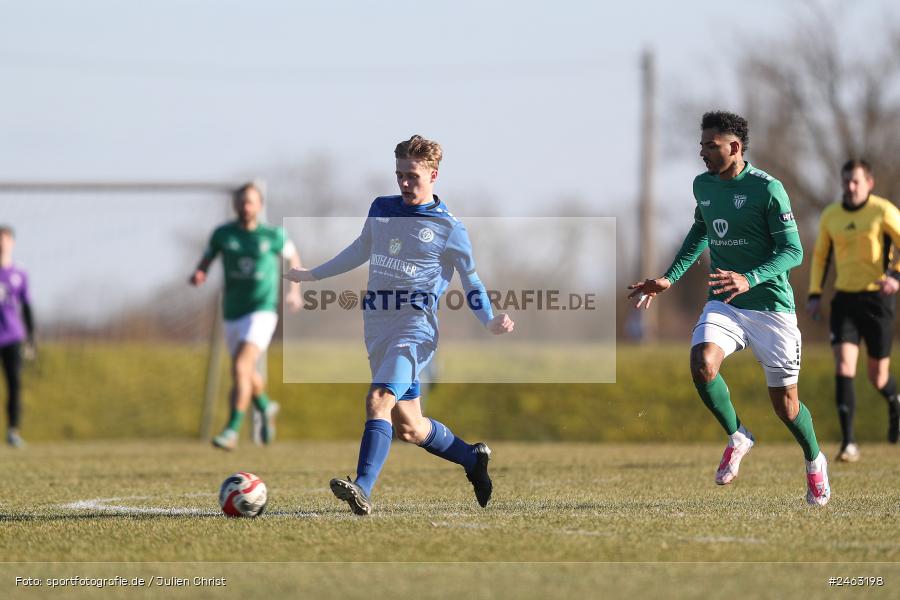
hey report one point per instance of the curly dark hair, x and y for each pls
(726, 122)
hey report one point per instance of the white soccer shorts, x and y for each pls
(255, 328)
(773, 337)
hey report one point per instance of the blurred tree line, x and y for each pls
(816, 94)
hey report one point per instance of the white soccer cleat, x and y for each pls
(13, 439)
(264, 424)
(227, 440)
(738, 447)
(849, 453)
(818, 491)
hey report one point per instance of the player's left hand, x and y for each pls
(724, 282)
(501, 324)
(889, 286)
(292, 301)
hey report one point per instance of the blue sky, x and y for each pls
(533, 102)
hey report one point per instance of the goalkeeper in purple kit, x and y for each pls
(16, 331)
(413, 245)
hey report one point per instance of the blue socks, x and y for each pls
(373, 451)
(441, 442)
(376, 443)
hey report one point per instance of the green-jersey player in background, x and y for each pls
(251, 257)
(744, 216)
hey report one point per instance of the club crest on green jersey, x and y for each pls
(720, 226)
(739, 200)
(247, 264)
(394, 247)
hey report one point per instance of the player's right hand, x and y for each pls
(813, 306)
(198, 278)
(646, 290)
(299, 275)
(501, 324)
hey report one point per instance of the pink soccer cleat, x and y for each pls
(731, 458)
(818, 491)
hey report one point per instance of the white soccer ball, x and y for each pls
(243, 495)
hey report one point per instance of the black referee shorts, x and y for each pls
(863, 314)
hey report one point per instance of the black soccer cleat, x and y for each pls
(893, 418)
(353, 495)
(478, 475)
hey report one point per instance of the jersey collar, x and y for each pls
(736, 179)
(421, 208)
(855, 208)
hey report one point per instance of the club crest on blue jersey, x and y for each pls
(395, 246)
(426, 235)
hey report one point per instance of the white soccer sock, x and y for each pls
(815, 465)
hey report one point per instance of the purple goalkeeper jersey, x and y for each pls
(13, 294)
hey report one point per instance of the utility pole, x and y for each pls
(646, 209)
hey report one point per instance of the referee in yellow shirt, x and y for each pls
(856, 234)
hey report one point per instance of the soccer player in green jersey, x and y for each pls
(744, 216)
(251, 256)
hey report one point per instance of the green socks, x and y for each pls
(237, 417)
(802, 429)
(717, 399)
(261, 402)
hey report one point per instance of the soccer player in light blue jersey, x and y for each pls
(413, 245)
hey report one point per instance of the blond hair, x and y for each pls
(418, 148)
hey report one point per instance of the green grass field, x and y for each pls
(566, 519)
(88, 391)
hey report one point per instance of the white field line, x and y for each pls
(115, 505)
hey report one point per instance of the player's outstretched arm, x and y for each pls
(648, 289)
(292, 300)
(347, 259)
(198, 277)
(299, 275)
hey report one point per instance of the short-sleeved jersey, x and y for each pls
(13, 295)
(858, 239)
(742, 216)
(252, 264)
(413, 251)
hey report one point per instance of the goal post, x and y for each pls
(216, 196)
